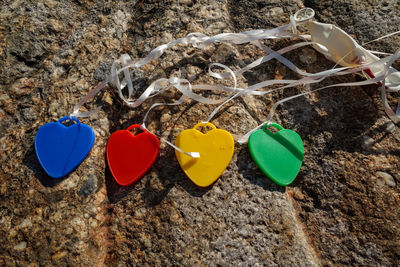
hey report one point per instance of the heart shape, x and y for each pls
(130, 156)
(216, 151)
(61, 149)
(279, 155)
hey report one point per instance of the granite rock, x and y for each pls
(342, 209)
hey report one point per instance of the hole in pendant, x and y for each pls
(136, 131)
(204, 128)
(68, 123)
(272, 129)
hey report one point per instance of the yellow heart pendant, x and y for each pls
(215, 148)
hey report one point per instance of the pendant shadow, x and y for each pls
(115, 192)
(31, 161)
(166, 177)
(250, 171)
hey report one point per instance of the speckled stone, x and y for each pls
(342, 209)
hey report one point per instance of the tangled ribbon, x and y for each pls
(331, 41)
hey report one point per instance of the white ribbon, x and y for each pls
(196, 39)
(335, 72)
(328, 39)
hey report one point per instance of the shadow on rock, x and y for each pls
(160, 180)
(338, 120)
(191, 188)
(167, 175)
(31, 161)
(251, 172)
(115, 192)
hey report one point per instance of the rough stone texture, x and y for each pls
(342, 209)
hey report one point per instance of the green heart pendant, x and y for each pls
(279, 155)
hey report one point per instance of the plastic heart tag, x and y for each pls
(215, 148)
(130, 156)
(279, 155)
(60, 149)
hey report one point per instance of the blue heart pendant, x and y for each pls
(60, 149)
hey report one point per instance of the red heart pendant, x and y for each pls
(130, 156)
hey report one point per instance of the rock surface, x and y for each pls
(342, 209)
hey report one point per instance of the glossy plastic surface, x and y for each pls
(130, 156)
(279, 155)
(60, 149)
(216, 151)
